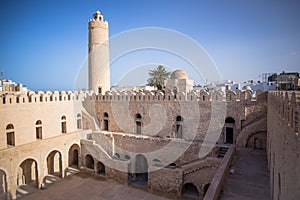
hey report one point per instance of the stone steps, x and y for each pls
(222, 152)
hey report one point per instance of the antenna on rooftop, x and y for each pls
(264, 76)
(1, 73)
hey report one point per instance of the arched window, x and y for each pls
(63, 124)
(178, 125)
(79, 119)
(138, 122)
(175, 90)
(10, 135)
(105, 121)
(38, 129)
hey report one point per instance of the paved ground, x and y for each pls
(85, 186)
(250, 179)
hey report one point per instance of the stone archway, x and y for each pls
(74, 156)
(257, 140)
(3, 184)
(28, 173)
(54, 163)
(100, 168)
(89, 161)
(139, 174)
(190, 190)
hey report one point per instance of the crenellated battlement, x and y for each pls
(43, 97)
(230, 96)
(48, 96)
(287, 105)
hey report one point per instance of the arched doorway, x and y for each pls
(139, 175)
(256, 143)
(257, 140)
(175, 90)
(190, 190)
(74, 156)
(3, 185)
(100, 168)
(89, 162)
(138, 122)
(229, 130)
(28, 173)
(54, 163)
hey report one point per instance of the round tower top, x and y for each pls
(97, 16)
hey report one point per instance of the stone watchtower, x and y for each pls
(98, 61)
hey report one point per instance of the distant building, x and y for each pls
(285, 80)
(7, 85)
(132, 88)
(264, 86)
(179, 82)
(297, 84)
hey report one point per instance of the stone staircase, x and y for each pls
(222, 151)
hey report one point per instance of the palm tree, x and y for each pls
(158, 76)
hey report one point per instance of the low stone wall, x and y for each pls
(166, 179)
(215, 187)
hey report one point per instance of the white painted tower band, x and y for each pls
(98, 61)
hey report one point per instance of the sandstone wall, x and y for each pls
(284, 144)
(24, 110)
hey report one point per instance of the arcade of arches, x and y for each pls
(30, 173)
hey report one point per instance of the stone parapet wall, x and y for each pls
(202, 95)
(42, 97)
(283, 145)
(219, 178)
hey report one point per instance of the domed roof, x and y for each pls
(179, 74)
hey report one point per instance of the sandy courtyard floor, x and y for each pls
(85, 186)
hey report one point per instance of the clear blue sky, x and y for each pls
(43, 42)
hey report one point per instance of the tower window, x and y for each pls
(63, 124)
(79, 121)
(10, 135)
(105, 121)
(38, 129)
(138, 122)
(179, 124)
